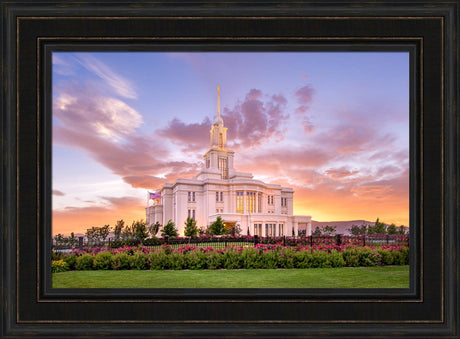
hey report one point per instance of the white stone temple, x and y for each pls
(219, 190)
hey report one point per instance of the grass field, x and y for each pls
(347, 277)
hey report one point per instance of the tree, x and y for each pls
(92, 233)
(402, 230)
(324, 230)
(378, 228)
(118, 228)
(154, 228)
(392, 229)
(191, 229)
(128, 232)
(328, 230)
(203, 231)
(169, 229)
(217, 227)
(317, 231)
(58, 239)
(140, 230)
(73, 240)
(234, 229)
(358, 230)
(103, 232)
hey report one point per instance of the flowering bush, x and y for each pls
(84, 262)
(103, 261)
(260, 256)
(59, 266)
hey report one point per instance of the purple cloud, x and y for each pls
(304, 97)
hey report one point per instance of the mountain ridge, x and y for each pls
(341, 227)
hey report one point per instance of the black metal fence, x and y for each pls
(221, 242)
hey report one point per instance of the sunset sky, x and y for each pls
(333, 126)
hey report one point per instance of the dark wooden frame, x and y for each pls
(31, 31)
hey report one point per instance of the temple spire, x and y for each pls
(218, 101)
(218, 131)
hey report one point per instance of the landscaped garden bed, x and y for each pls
(261, 256)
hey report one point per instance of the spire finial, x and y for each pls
(218, 101)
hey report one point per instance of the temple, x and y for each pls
(258, 208)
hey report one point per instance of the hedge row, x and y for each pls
(246, 258)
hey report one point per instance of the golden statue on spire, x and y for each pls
(218, 89)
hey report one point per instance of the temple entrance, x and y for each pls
(230, 227)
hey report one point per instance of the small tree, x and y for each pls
(58, 239)
(203, 231)
(358, 230)
(317, 231)
(140, 230)
(191, 229)
(232, 229)
(154, 228)
(128, 232)
(378, 228)
(103, 232)
(118, 228)
(392, 229)
(73, 241)
(328, 230)
(92, 234)
(402, 230)
(169, 229)
(217, 227)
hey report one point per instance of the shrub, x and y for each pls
(302, 259)
(131, 242)
(103, 261)
(56, 255)
(250, 258)
(71, 260)
(351, 257)
(85, 262)
(121, 261)
(319, 259)
(196, 260)
(369, 257)
(59, 266)
(215, 260)
(401, 257)
(388, 257)
(159, 260)
(152, 242)
(261, 256)
(116, 244)
(139, 261)
(335, 259)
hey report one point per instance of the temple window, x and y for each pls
(239, 202)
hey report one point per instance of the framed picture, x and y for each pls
(56, 57)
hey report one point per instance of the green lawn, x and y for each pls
(347, 277)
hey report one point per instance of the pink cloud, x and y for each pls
(256, 119)
(340, 173)
(57, 192)
(304, 97)
(193, 136)
(351, 138)
(107, 132)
